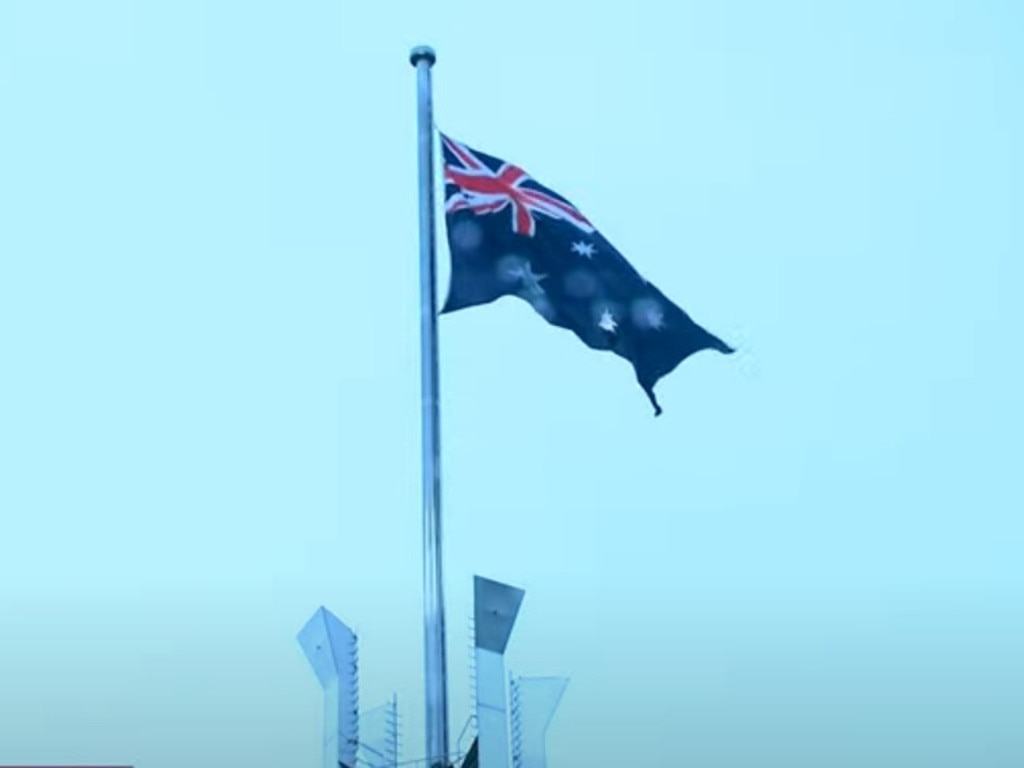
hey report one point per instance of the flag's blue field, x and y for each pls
(209, 377)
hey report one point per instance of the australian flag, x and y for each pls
(511, 236)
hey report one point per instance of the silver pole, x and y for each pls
(435, 656)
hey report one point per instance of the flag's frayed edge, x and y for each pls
(648, 388)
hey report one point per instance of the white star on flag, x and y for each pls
(584, 249)
(607, 321)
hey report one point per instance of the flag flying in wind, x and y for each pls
(511, 236)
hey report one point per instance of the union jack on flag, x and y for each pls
(482, 190)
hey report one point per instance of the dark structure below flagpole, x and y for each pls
(434, 651)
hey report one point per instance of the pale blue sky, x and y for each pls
(209, 391)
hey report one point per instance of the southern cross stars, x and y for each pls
(607, 321)
(584, 249)
(648, 314)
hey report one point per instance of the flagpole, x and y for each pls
(434, 652)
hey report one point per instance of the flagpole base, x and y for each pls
(422, 53)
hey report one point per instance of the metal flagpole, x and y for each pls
(435, 654)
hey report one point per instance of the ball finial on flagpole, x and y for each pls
(422, 53)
